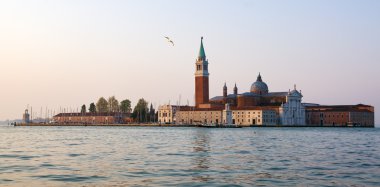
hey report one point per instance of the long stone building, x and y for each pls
(340, 115)
(92, 118)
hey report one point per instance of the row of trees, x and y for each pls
(141, 112)
(110, 105)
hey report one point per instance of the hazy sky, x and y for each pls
(69, 53)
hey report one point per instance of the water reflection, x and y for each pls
(201, 158)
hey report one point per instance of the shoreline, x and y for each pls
(102, 125)
(174, 125)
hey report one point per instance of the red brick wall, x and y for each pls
(201, 90)
(243, 101)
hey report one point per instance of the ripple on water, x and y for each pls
(243, 152)
(5, 181)
(71, 178)
(47, 165)
(21, 157)
(74, 155)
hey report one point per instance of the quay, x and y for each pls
(101, 125)
(177, 125)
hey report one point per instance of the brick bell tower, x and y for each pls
(201, 77)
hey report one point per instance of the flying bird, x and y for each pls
(169, 40)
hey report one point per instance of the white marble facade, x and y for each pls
(292, 112)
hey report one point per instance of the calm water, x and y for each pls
(134, 156)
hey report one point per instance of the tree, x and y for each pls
(92, 108)
(125, 106)
(152, 112)
(140, 111)
(102, 105)
(83, 109)
(113, 104)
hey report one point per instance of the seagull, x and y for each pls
(169, 40)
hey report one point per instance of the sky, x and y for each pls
(66, 53)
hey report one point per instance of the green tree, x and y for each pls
(113, 104)
(140, 112)
(152, 112)
(83, 109)
(92, 108)
(125, 106)
(102, 105)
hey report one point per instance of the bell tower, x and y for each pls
(201, 78)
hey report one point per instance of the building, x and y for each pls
(292, 112)
(200, 116)
(258, 106)
(167, 114)
(201, 78)
(254, 116)
(340, 115)
(26, 117)
(228, 115)
(92, 118)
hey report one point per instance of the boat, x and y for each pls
(208, 125)
(219, 126)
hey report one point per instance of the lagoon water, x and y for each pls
(156, 156)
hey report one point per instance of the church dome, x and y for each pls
(259, 87)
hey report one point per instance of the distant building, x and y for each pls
(292, 112)
(167, 113)
(244, 116)
(26, 117)
(340, 115)
(93, 118)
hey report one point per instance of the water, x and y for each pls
(143, 156)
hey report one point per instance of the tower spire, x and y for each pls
(225, 90)
(235, 89)
(202, 54)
